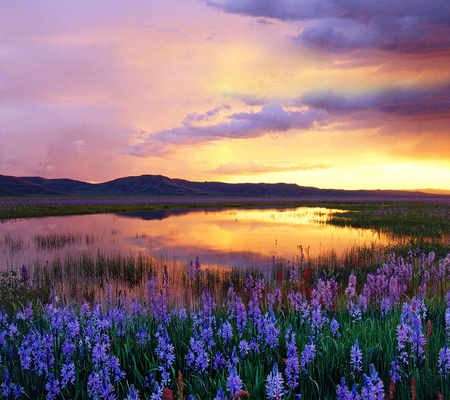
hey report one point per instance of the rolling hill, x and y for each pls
(158, 185)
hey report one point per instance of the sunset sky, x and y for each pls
(327, 93)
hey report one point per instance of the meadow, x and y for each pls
(373, 325)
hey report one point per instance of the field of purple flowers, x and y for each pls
(354, 334)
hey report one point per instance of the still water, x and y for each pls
(220, 238)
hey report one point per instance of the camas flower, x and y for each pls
(274, 384)
(292, 361)
(133, 394)
(234, 382)
(308, 354)
(444, 361)
(373, 386)
(334, 326)
(343, 393)
(394, 372)
(52, 387)
(356, 357)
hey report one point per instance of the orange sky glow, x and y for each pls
(331, 94)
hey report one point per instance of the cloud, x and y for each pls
(252, 168)
(245, 125)
(428, 104)
(207, 116)
(410, 27)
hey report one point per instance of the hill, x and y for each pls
(158, 185)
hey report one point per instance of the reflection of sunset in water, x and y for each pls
(218, 237)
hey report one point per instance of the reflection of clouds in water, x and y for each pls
(213, 235)
(163, 246)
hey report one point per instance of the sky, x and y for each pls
(349, 94)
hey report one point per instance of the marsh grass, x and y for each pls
(419, 222)
(56, 241)
(13, 244)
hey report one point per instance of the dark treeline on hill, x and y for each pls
(157, 185)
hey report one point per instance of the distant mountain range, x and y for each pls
(158, 185)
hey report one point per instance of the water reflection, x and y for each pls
(232, 237)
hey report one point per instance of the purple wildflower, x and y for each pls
(233, 360)
(308, 355)
(7, 386)
(18, 391)
(24, 275)
(226, 332)
(350, 291)
(363, 303)
(293, 271)
(274, 298)
(268, 330)
(165, 350)
(385, 306)
(373, 386)
(356, 357)
(133, 394)
(296, 299)
(219, 361)
(274, 384)
(191, 271)
(244, 348)
(394, 372)
(68, 348)
(317, 321)
(234, 382)
(292, 361)
(52, 387)
(197, 266)
(354, 310)
(343, 393)
(334, 326)
(444, 361)
(417, 339)
(67, 374)
(254, 346)
(221, 395)
(325, 294)
(197, 357)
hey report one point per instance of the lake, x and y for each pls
(222, 238)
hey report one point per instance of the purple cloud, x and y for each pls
(247, 125)
(410, 27)
(426, 104)
(207, 116)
